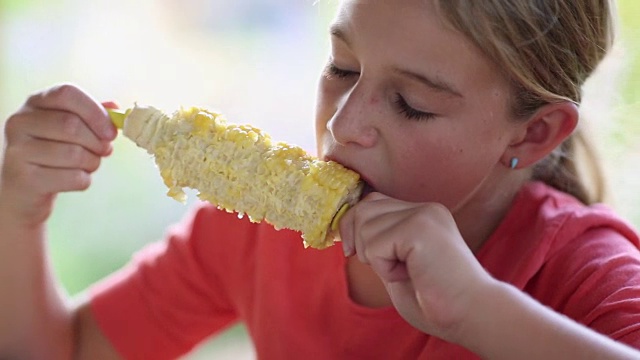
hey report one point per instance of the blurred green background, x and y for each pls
(256, 61)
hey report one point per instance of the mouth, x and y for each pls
(366, 190)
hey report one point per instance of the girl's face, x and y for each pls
(410, 104)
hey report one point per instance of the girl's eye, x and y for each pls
(410, 113)
(332, 71)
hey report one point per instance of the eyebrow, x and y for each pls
(336, 31)
(436, 84)
(433, 83)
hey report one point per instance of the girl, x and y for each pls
(475, 237)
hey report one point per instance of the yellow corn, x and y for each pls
(240, 169)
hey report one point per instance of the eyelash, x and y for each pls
(332, 70)
(409, 112)
(403, 107)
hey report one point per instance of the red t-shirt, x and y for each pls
(215, 269)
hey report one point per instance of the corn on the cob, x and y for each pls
(240, 169)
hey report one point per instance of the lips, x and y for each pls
(366, 190)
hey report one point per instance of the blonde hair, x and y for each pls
(548, 48)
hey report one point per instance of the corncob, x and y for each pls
(239, 168)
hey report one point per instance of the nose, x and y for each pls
(354, 121)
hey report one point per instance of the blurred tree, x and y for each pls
(630, 35)
(9, 6)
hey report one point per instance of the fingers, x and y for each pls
(381, 232)
(58, 155)
(53, 144)
(419, 254)
(71, 99)
(57, 126)
(25, 178)
(42, 161)
(387, 233)
(354, 218)
(385, 243)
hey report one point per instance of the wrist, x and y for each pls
(458, 321)
(14, 214)
(485, 304)
(14, 224)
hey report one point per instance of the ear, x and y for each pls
(542, 133)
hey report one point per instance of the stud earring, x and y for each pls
(514, 162)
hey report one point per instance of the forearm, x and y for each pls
(508, 324)
(36, 322)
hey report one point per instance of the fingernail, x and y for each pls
(110, 105)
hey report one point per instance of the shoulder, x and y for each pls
(602, 256)
(586, 263)
(594, 279)
(543, 223)
(547, 213)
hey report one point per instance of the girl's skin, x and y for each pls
(409, 104)
(423, 116)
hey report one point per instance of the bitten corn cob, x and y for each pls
(240, 169)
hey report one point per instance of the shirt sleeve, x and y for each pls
(163, 302)
(596, 281)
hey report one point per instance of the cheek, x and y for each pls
(446, 173)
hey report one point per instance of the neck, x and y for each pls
(482, 212)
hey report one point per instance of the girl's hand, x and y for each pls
(416, 249)
(53, 144)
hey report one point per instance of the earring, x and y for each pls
(514, 162)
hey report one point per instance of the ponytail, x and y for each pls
(574, 168)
